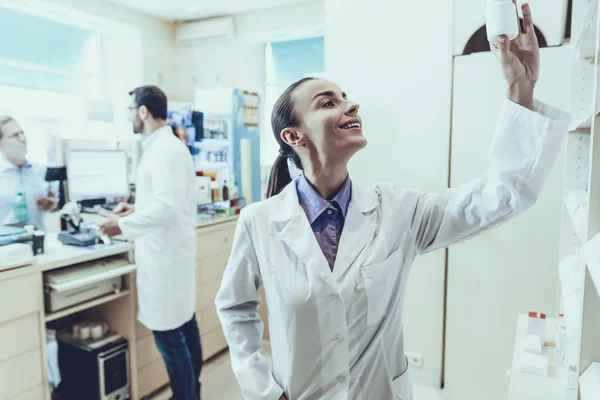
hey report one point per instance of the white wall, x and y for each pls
(224, 64)
(395, 59)
(158, 39)
(240, 62)
(285, 23)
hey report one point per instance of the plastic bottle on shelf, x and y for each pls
(225, 191)
(20, 208)
(501, 19)
(215, 190)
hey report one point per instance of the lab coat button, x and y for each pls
(341, 379)
(336, 338)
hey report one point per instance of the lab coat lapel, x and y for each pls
(290, 223)
(359, 228)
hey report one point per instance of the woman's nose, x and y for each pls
(352, 109)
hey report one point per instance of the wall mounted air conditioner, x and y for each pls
(207, 30)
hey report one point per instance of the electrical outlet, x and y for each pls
(414, 359)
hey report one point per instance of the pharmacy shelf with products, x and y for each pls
(579, 268)
(569, 363)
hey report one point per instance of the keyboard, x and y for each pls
(109, 206)
(89, 272)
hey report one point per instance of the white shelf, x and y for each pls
(524, 386)
(586, 44)
(591, 254)
(92, 278)
(589, 383)
(207, 165)
(570, 273)
(86, 306)
(577, 206)
(572, 311)
(211, 144)
(581, 124)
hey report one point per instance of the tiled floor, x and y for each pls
(218, 382)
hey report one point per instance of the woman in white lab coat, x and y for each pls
(335, 312)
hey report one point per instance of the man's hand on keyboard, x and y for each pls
(110, 227)
(123, 209)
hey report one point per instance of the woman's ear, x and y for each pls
(292, 137)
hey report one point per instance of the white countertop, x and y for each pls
(56, 255)
(200, 221)
(529, 387)
(205, 222)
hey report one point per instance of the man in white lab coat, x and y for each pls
(163, 225)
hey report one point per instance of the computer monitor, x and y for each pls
(97, 174)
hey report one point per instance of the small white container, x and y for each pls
(536, 326)
(534, 364)
(84, 332)
(533, 344)
(501, 19)
(203, 194)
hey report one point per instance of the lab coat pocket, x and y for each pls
(402, 386)
(379, 281)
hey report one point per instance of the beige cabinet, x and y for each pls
(21, 347)
(214, 247)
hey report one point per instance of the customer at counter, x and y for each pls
(25, 194)
(163, 225)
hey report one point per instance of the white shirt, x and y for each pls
(338, 335)
(31, 181)
(164, 228)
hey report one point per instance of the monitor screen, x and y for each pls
(96, 174)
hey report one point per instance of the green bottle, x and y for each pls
(20, 208)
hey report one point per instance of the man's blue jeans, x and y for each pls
(182, 352)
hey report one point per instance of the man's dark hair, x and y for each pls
(153, 98)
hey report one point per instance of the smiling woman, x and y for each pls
(334, 259)
(328, 136)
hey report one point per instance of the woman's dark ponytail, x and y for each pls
(280, 176)
(283, 116)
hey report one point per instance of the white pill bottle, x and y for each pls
(501, 19)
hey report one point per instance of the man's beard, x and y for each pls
(138, 127)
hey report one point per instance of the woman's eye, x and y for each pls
(328, 103)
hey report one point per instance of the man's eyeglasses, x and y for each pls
(131, 108)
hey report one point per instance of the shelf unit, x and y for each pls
(85, 306)
(590, 382)
(591, 256)
(580, 261)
